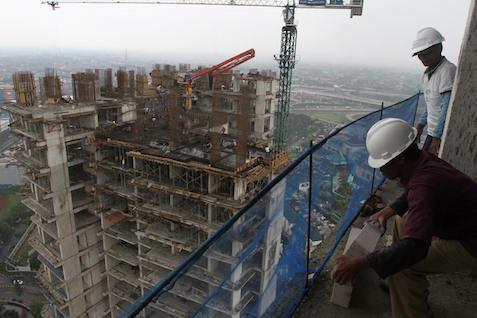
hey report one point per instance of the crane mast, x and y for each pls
(286, 64)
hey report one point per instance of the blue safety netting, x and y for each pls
(256, 264)
(342, 177)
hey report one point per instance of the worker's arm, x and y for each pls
(398, 207)
(417, 236)
(444, 105)
(400, 204)
(421, 123)
(423, 119)
(385, 261)
(399, 256)
(446, 82)
(381, 218)
(347, 267)
(436, 139)
(417, 231)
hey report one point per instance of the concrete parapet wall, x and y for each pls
(460, 135)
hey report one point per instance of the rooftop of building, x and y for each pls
(43, 112)
(196, 137)
(158, 145)
(63, 108)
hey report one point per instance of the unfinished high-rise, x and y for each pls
(126, 183)
(24, 86)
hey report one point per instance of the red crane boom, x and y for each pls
(226, 65)
(220, 68)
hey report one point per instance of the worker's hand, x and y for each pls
(380, 218)
(347, 267)
(435, 145)
(419, 128)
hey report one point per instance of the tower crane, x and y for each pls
(285, 59)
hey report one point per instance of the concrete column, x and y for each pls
(68, 247)
(77, 307)
(459, 145)
(272, 247)
(74, 287)
(211, 184)
(236, 275)
(34, 191)
(240, 188)
(236, 295)
(65, 231)
(63, 207)
(209, 213)
(172, 172)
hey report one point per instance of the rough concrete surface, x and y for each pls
(459, 145)
(451, 295)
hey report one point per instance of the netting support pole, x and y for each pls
(308, 236)
(417, 106)
(374, 170)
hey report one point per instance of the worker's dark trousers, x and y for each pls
(409, 288)
(427, 143)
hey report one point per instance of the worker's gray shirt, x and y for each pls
(435, 82)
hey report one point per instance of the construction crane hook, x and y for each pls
(53, 4)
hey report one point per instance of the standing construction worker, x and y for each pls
(436, 227)
(437, 82)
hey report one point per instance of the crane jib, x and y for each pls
(354, 5)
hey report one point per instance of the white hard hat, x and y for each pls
(426, 38)
(387, 139)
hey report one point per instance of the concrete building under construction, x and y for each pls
(127, 180)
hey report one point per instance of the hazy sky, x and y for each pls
(382, 36)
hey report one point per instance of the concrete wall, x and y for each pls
(260, 105)
(459, 145)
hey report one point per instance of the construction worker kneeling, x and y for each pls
(436, 228)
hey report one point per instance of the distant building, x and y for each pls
(25, 88)
(4, 121)
(7, 94)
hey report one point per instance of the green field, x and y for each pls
(9, 202)
(329, 116)
(21, 257)
(12, 211)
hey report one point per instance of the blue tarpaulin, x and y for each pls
(313, 2)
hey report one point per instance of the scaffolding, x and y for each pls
(84, 87)
(50, 87)
(25, 88)
(123, 82)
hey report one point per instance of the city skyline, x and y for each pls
(381, 37)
